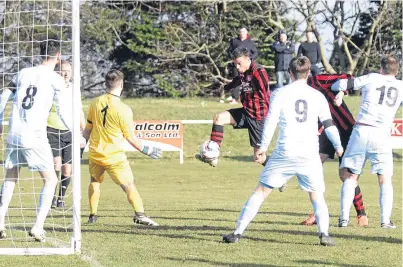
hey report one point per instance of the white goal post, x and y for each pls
(24, 24)
(76, 239)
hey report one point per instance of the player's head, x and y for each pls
(240, 57)
(65, 70)
(114, 80)
(300, 68)
(309, 35)
(389, 65)
(50, 50)
(243, 33)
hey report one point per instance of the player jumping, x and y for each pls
(255, 96)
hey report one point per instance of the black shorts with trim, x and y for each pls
(326, 147)
(61, 143)
(243, 121)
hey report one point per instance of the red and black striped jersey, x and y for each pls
(342, 117)
(255, 92)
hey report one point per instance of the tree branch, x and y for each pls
(368, 42)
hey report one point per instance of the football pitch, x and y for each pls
(196, 204)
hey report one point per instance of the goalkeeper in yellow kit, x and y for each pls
(109, 124)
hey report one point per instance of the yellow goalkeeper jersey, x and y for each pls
(54, 120)
(111, 121)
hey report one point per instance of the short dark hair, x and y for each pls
(49, 48)
(240, 51)
(300, 67)
(113, 77)
(280, 32)
(390, 65)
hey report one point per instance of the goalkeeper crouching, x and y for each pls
(109, 124)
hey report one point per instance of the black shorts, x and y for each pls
(60, 141)
(243, 121)
(326, 147)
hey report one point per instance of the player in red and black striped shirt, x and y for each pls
(255, 95)
(342, 117)
(344, 121)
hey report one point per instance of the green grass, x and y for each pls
(196, 204)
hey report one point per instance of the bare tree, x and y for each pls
(343, 17)
(386, 14)
(365, 50)
(199, 41)
(308, 10)
(343, 22)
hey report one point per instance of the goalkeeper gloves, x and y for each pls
(152, 151)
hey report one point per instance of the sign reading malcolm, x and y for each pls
(166, 134)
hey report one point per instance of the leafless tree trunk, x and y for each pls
(308, 9)
(368, 43)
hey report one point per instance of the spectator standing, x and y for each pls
(311, 50)
(283, 50)
(243, 40)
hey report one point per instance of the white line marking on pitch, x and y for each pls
(83, 256)
(91, 260)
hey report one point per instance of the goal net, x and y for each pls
(24, 24)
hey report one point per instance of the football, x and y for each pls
(209, 151)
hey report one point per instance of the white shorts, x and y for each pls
(37, 159)
(367, 142)
(279, 169)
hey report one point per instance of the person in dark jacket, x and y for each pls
(311, 50)
(243, 40)
(283, 50)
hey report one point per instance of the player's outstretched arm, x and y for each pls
(270, 123)
(351, 86)
(147, 149)
(338, 99)
(6, 95)
(330, 130)
(333, 135)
